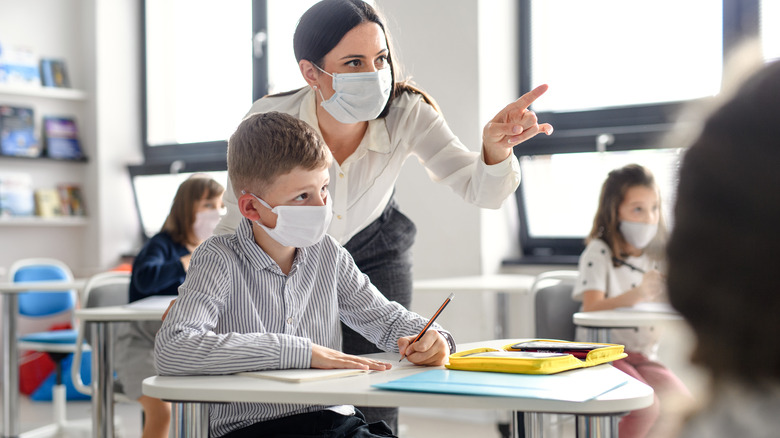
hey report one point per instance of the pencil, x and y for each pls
(430, 321)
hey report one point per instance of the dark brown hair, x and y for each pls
(323, 25)
(266, 145)
(613, 192)
(724, 249)
(182, 215)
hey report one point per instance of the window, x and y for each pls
(618, 73)
(205, 63)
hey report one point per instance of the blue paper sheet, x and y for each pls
(577, 385)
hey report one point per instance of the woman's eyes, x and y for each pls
(380, 62)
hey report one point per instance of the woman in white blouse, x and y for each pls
(372, 124)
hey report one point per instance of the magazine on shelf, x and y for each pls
(61, 138)
(54, 73)
(72, 200)
(16, 194)
(48, 203)
(17, 132)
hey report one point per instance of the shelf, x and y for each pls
(44, 92)
(33, 221)
(81, 160)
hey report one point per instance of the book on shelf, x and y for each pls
(16, 194)
(61, 138)
(72, 200)
(17, 132)
(19, 66)
(54, 73)
(48, 203)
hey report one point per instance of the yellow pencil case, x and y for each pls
(538, 356)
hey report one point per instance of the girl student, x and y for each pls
(159, 269)
(372, 122)
(620, 267)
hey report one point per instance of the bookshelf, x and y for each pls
(42, 92)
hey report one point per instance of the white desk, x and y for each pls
(599, 323)
(101, 321)
(10, 296)
(502, 284)
(595, 417)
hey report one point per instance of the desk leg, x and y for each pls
(102, 379)
(597, 426)
(10, 367)
(598, 334)
(534, 425)
(190, 420)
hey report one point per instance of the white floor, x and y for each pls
(414, 423)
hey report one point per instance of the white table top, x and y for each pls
(357, 390)
(624, 318)
(136, 311)
(53, 286)
(516, 283)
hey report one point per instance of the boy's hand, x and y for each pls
(431, 349)
(326, 358)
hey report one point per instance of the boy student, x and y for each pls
(271, 296)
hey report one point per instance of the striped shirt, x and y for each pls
(237, 311)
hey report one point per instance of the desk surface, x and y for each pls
(357, 390)
(624, 318)
(517, 283)
(132, 312)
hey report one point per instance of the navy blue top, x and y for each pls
(157, 269)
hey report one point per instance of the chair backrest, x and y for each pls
(554, 306)
(40, 303)
(104, 289)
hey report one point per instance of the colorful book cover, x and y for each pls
(16, 194)
(17, 132)
(61, 138)
(54, 73)
(48, 203)
(72, 202)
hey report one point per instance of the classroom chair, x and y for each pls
(104, 289)
(57, 344)
(554, 307)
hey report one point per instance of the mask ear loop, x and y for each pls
(316, 88)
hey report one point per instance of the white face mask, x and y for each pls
(638, 234)
(205, 223)
(358, 97)
(298, 225)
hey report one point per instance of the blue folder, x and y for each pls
(576, 385)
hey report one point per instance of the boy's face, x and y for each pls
(298, 187)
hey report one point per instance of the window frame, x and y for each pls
(209, 154)
(631, 127)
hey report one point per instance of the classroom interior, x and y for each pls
(465, 53)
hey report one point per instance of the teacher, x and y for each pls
(372, 122)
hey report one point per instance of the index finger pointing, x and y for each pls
(524, 101)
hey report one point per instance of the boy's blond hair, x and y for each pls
(266, 145)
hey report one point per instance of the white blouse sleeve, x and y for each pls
(593, 269)
(449, 162)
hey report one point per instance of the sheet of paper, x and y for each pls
(303, 375)
(577, 385)
(153, 302)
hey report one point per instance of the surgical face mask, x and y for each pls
(358, 97)
(298, 225)
(638, 234)
(205, 223)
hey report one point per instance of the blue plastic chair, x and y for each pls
(58, 344)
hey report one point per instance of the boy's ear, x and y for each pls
(309, 72)
(247, 207)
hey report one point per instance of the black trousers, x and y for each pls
(325, 424)
(382, 251)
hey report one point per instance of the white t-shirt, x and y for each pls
(597, 272)
(362, 185)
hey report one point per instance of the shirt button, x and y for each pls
(341, 174)
(289, 320)
(338, 217)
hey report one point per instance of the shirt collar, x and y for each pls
(258, 258)
(377, 138)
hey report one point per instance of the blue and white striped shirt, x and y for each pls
(237, 311)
